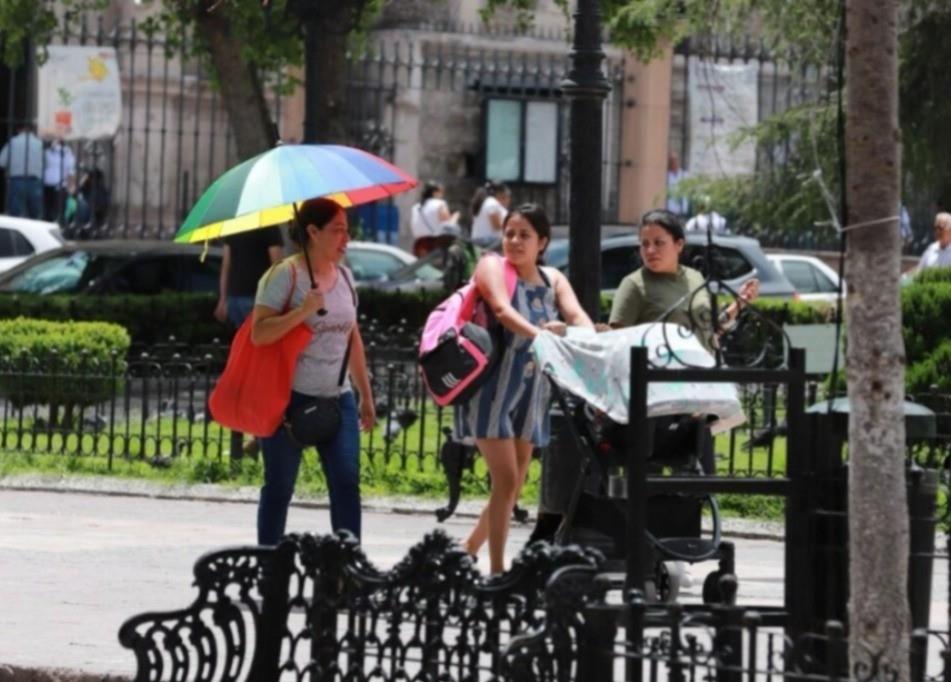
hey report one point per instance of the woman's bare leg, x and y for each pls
(501, 458)
(523, 457)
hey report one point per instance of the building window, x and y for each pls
(522, 141)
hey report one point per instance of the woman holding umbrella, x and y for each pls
(305, 311)
(313, 288)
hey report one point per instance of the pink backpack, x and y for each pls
(456, 351)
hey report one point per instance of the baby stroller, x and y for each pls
(590, 446)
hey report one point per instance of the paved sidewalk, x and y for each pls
(126, 487)
(75, 566)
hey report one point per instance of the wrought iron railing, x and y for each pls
(152, 405)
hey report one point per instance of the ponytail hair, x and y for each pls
(430, 187)
(489, 189)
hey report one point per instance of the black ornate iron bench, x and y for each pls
(315, 608)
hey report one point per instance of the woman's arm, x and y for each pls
(490, 280)
(270, 325)
(627, 305)
(749, 291)
(444, 215)
(566, 299)
(496, 218)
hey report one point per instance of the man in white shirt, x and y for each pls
(22, 159)
(678, 205)
(706, 217)
(938, 255)
(59, 167)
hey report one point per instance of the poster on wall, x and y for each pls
(723, 99)
(79, 94)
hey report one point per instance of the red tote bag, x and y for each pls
(252, 393)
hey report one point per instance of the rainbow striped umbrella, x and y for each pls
(263, 190)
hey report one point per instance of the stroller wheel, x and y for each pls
(669, 577)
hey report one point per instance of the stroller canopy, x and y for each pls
(596, 368)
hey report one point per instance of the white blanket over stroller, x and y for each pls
(596, 368)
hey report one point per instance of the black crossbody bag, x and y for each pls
(316, 421)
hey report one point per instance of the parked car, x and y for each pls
(123, 266)
(419, 274)
(21, 238)
(735, 259)
(813, 279)
(371, 262)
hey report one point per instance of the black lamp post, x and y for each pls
(586, 87)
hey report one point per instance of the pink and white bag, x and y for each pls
(457, 351)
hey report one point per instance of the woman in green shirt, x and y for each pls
(663, 284)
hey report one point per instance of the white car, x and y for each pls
(812, 278)
(21, 238)
(373, 262)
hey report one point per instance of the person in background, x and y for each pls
(675, 174)
(489, 207)
(429, 219)
(96, 197)
(509, 416)
(904, 224)
(245, 258)
(22, 159)
(59, 171)
(938, 254)
(706, 217)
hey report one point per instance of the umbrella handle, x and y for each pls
(310, 272)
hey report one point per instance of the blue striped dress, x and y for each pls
(513, 402)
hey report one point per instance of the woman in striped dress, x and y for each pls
(508, 416)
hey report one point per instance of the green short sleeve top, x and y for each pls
(644, 296)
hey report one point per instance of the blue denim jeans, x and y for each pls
(25, 197)
(340, 461)
(239, 307)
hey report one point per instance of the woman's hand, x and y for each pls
(367, 413)
(556, 327)
(221, 310)
(313, 301)
(602, 327)
(749, 291)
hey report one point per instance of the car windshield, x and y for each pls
(60, 274)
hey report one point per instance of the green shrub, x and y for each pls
(60, 364)
(931, 371)
(148, 319)
(926, 317)
(932, 275)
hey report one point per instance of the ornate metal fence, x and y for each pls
(153, 407)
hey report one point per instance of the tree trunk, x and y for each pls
(325, 76)
(878, 511)
(241, 93)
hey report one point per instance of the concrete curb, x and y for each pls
(13, 673)
(101, 485)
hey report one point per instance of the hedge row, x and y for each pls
(148, 319)
(189, 317)
(60, 364)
